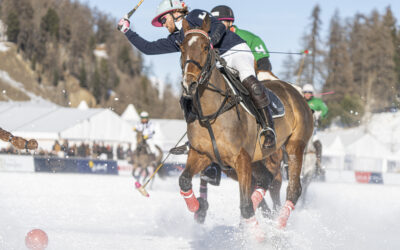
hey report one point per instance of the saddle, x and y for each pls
(232, 78)
(234, 83)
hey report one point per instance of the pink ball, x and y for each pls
(36, 239)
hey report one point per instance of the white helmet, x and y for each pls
(164, 7)
(308, 88)
(144, 114)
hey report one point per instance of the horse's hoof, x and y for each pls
(252, 227)
(200, 215)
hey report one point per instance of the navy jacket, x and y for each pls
(220, 37)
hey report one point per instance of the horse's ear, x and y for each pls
(185, 25)
(206, 23)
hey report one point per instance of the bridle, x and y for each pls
(206, 69)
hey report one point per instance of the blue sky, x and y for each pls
(280, 24)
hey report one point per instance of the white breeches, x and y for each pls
(240, 59)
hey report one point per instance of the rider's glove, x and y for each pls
(145, 137)
(124, 25)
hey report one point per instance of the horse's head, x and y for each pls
(195, 57)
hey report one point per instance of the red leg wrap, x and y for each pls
(191, 201)
(284, 214)
(257, 197)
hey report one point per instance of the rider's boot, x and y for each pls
(260, 98)
(212, 174)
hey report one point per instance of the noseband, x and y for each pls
(206, 69)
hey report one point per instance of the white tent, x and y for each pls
(368, 146)
(47, 123)
(368, 154)
(83, 105)
(334, 154)
(130, 114)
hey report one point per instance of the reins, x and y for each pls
(203, 80)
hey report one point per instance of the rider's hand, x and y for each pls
(317, 115)
(134, 129)
(124, 25)
(145, 137)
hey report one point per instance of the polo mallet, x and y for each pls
(141, 188)
(130, 13)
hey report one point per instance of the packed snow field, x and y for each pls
(106, 212)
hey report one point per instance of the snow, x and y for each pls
(106, 212)
(6, 78)
(3, 47)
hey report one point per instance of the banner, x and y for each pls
(75, 165)
(16, 163)
(369, 177)
(124, 168)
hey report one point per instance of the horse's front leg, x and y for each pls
(201, 213)
(244, 174)
(295, 151)
(195, 163)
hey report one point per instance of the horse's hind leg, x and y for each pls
(195, 163)
(295, 149)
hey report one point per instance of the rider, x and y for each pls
(320, 110)
(145, 126)
(170, 14)
(260, 52)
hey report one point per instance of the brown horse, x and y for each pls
(18, 142)
(236, 135)
(143, 158)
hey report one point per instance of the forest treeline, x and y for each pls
(59, 38)
(359, 60)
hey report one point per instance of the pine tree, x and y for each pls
(390, 22)
(311, 67)
(13, 29)
(50, 23)
(290, 68)
(381, 62)
(339, 67)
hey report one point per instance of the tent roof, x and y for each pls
(368, 146)
(52, 122)
(38, 118)
(336, 148)
(130, 114)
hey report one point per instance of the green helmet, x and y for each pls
(165, 7)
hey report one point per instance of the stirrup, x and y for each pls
(180, 150)
(262, 132)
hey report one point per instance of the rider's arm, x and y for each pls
(161, 46)
(319, 105)
(324, 109)
(218, 30)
